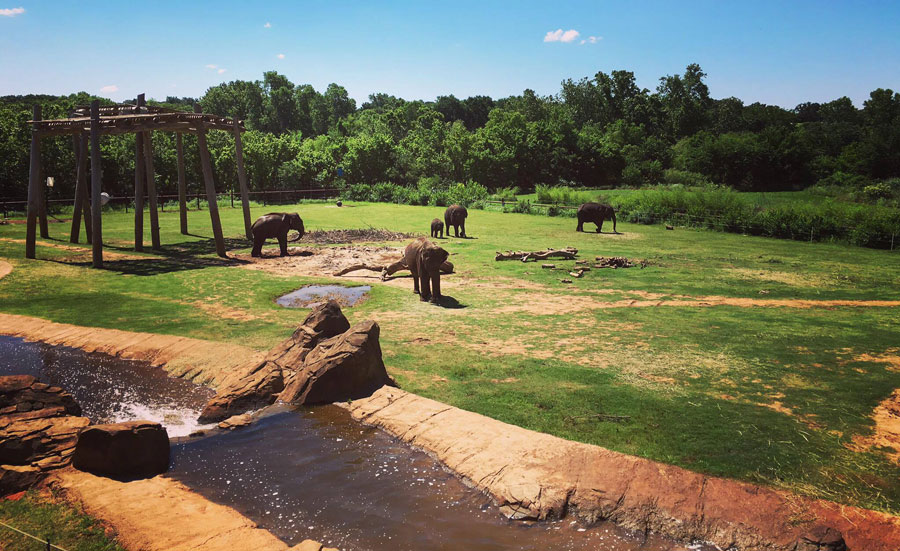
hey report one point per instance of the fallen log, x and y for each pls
(446, 267)
(566, 254)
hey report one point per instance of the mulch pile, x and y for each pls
(363, 235)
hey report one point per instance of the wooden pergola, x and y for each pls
(142, 120)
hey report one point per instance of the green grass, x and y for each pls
(771, 395)
(48, 518)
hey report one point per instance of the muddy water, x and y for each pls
(314, 295)
(109, 389)
(318, 474)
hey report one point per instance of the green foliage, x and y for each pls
(429, 191)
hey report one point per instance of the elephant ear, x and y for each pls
(284, 218)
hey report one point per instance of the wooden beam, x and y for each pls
(96, 181)
(182, 184)
(81, 206)
(85, 199)
(206, 165)
(139, 192)
(151, 190)
(42, 204)
(34, 180)
(242, 178)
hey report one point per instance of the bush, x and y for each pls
(428, 191)
(506, 193)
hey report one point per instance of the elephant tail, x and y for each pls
(613, 214)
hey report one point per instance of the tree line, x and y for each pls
(603, 131)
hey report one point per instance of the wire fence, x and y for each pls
(46, 543)
(721, 223)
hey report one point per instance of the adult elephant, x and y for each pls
(277, 225)
(455, 216)
(424, 260)
(596, 213)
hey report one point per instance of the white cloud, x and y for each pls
(221, 71)
(211, 66)
(280, 56)
(595, 39)
(110, 89)
(11, 12)
(560, 35)
(268, 25)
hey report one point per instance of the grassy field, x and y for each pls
(777, 393)
(49, 518)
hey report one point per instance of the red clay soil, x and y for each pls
(161, 514)
(535, 475)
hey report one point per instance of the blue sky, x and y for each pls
(775, 52)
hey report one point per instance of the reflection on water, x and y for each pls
(318, 474)
(109, 389)
(314, 295)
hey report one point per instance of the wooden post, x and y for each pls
(82, 202)
(139, 192)
(34, 181)
(151, 190)
(182, 184)
(96, 181)
(206, 165)
(242, 178)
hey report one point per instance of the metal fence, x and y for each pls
(9, 208)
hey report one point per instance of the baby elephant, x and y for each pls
(277, 225)
(424, 260)
(437, 228)
(597, 214)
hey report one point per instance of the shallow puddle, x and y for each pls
(314, 295)
(109, 389)
(318, 474)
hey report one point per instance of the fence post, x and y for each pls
(198, 201)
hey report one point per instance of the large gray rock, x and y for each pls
(258, 385)
(340, 368)
(134, 449)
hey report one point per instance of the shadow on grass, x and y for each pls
(450, 303)
(193, 255)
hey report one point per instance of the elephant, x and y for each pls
(455, 216)
(276, 224)
(437, 228)
(596, 213)
(424, 260)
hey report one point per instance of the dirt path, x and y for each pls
(83, 253)
(5, 268)
(204, 362)
(162, 514)
(535, 475)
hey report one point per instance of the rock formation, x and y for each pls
(325, 360)
(39, 426)
(133, 449)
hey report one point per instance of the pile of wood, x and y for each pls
(618, 262)
(566, 254)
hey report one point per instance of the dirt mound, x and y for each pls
(362, 235)
(322, 261)
(5, 268)
(887, 428)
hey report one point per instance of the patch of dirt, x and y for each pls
(887, 429)
(322, 261)
(559, 304)
(363, 235)
(5, 268)
(891, 357)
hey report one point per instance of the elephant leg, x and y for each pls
(257, 247)
(282, 243)
(614, 223)
(442, 234)
(600, 225)
(425, 293)
(436, 287)
(580, 225)
(463, 229)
